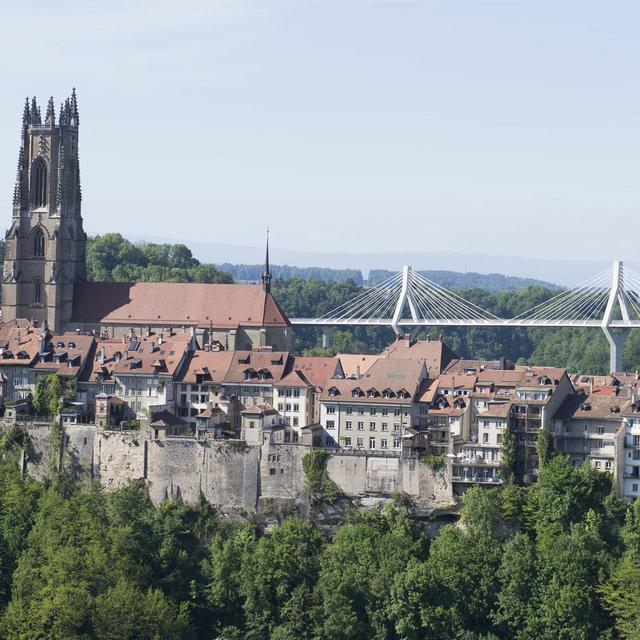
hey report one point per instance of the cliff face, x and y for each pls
(234, 477)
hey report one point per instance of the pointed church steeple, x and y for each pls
(266, 274)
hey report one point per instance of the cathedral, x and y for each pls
(44, 279)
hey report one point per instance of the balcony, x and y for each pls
(476, 479)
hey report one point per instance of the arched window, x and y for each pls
(37, 290)
(38, 243)
(39, 185)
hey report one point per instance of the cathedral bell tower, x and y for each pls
(45, 244)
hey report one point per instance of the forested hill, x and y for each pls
(491, 282)
(253, 273)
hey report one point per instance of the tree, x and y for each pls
(508, 454)
(544, 447)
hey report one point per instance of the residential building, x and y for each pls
(373, 411)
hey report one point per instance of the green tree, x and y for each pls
(544, 447)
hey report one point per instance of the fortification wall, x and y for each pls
(232, 476)
(119, 457)
(226, 473)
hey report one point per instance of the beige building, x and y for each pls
(374, 411)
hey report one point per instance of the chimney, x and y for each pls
(637, 374)
(148, 332)
(101, 355)
(160, 339)
(358, 372)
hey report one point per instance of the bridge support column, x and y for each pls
(616, 343)
(326, 337)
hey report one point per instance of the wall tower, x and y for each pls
(45, 244)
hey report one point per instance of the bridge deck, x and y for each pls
(388, 322)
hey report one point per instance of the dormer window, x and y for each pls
(356, 393)
(333, 392)
(59, 345)
(372, 393)
(71, 345)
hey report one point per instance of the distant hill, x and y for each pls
(253, 273)
(492, 282)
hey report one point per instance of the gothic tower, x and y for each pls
(45, 245)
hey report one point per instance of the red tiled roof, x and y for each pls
(212, 366)
(176, 304)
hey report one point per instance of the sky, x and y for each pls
(494, 127)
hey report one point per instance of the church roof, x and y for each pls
(171, 303)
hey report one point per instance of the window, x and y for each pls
(372, 426)
(385, 426)
(280, 406)
(295, 421)
(272, 472)
(331, 424)
(39, 183)
(348, 425)
(607, 464)
(396, 443)
(485, 438)
(360, 442)
(372, 442)
(383, 443)
(329, 409)
(38, 243)
(396, 412)
(634, 488)
(251, 424)
(600, 431)
(372, 411)
(296, 407)
(360, 426)
(347, 442)
(597, 464)
(385, 412)
(37, 290)
(349, 410)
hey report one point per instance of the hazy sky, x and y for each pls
(499, 127)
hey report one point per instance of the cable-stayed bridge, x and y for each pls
(406, 301)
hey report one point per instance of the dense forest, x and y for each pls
(559, 560)
(112, 258)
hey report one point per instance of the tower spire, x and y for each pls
(75, 119)
(17, 191)
(266, 274)
(26, 114)
(35, 112)
(50, 120)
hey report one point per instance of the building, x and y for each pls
(372, 411)
(44, 277)
(45, 243)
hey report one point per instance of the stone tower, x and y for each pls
(45, 245)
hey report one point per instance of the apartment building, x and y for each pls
(373, 411)
(590, 429)
(200, 395)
